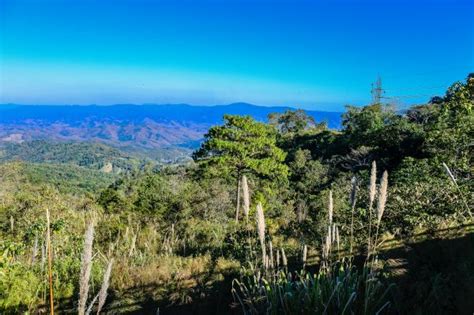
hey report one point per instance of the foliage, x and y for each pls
(243, 145)
(341, 290)
(89, 155)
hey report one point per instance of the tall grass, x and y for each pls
(86, 267)
(382, 200)
(372, 193)
(105, 286)
(245, 197)
(261, 231)
(338, 288)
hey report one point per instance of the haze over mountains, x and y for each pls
(132, 126)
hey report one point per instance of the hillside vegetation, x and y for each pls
(284, 217)
(88, 155)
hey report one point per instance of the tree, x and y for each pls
(291, 121)
(451, 128)
(242, 145)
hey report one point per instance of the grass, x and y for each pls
(337, 288)
(340, 290)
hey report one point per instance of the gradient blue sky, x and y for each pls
(312, 54)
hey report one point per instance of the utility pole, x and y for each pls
(377, 91)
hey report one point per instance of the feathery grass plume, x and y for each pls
(50, 263)
(261, 230)
(382, 197)
(105, 286)
(373, 184)
(305, 254)
(270, 249)
(86, 266)
(237, 210)
(278, 258)
(353, 199)
(245, 196)
(329, 236)
(353, 195)
(283, 258)
(337, 238)
(372, 192)
(330, 207)
(326, 248)
(333, 237)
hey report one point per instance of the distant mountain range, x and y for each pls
(132, 126)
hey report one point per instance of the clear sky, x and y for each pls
(313, 54)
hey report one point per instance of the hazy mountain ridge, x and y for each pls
(140, 126)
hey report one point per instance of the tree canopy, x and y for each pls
(243, 145)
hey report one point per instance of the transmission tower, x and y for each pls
(377, 91)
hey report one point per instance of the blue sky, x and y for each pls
(311, 54)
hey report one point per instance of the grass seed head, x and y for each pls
(245, 196)
(382, 200)
(373, 183)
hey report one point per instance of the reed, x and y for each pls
(341, 289)
(305, 254)
(245, 197)
(330, 208)
(278, 258)
(372, 193)
(105, 286)
(261, 230)
(382, 200)
(283, 258)
(270, 249)
(338, 287)
(237, 210)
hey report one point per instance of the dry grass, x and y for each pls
(86, 267)
(105, 286)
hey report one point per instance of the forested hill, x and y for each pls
(143, 126)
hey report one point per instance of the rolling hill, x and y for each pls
(137, 127)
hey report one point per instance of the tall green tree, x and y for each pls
(240, 146)
(292, 121)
